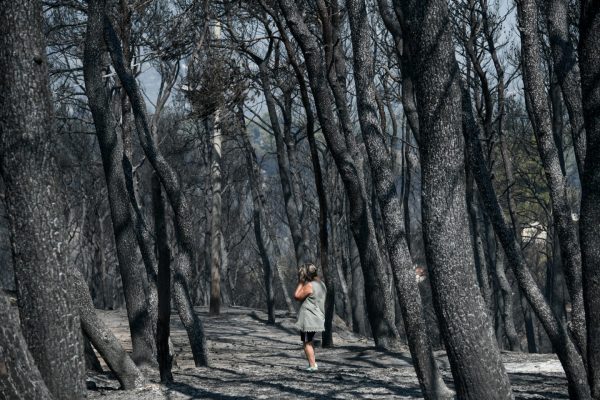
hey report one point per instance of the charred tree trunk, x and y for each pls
(557, 332)
(589, 62)
(481, 267)
(35, 207)
(20, 378)
(216, 236)
(285, 177)
(327, 336)
(564, 61)
(186, 256)
(380, 301)
(111, 149)
(101, 337)
(466, 328)
(91, 361)
(379, 156)
(507, 302)
(164, 358)
(257, 215)
(142, 235)
(533, 81)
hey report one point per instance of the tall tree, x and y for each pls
(216, 234)
(258, 203)
(589, 62)
(380, 301)
(473, 353)
(133, 276)
(34, 201)
(564, 61)
(380, 160)
(186, 255)
(556, 330)
(537, 104)
(319, 185)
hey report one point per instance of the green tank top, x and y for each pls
(311, 317)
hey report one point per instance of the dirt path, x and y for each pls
(252, 360)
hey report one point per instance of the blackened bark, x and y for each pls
(216, 235)
(181, 209)
(380, 301)
(142, 235)
(564, 60)
(20, 378)
(473, 352)
(285, 178)
(507, 302)
(567, 352)
(407, 291)
(481, 267)
(287, 108)
(532, 345)
(329, 15)
(144, 241)
(533, 80)
(589, 62)
(35, 206)
(163, 322)
(557, 121)
(101, 337)
(391, 14)
(327, 336)
(257, 214)
(111, 149)
(91, 361)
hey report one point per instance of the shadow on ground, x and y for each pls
(251, 359)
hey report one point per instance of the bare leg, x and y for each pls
(309, 350)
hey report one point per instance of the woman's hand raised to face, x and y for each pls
(303, 290)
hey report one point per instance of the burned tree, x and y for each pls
(38, 234)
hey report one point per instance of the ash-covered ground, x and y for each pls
(253, 360)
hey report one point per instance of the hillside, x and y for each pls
(252, 360)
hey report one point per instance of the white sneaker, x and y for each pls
(313, 369)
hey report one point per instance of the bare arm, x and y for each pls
(303, 290)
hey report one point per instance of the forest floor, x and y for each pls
(253, 360)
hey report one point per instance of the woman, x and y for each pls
(311, 292)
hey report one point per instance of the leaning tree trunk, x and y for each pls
(163, 324)
(20, 378)
(101, 337)
(534, 84)
(35, 206)
(567, 352)
(564, 61)
(407, 291)
(142, 235)
(186, 255)
(135, 284)
(589, 62)
(472, 350)
(380, 301)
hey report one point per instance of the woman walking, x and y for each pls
(311, 292)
